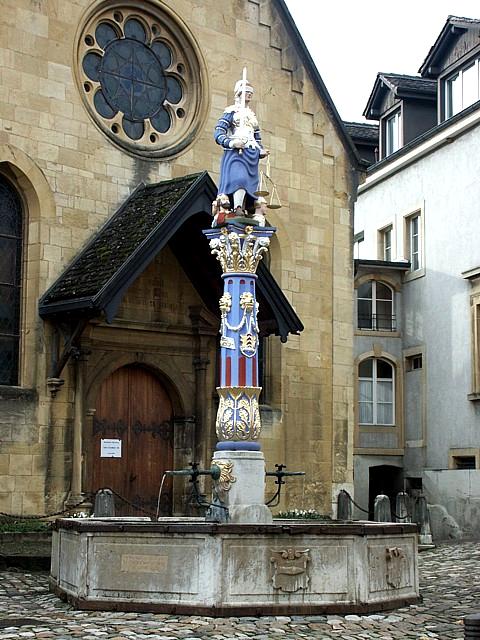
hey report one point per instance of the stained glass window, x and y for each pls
(10, 281)
(132, 79)
(142, 77)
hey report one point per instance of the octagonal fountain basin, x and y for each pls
(189, 566)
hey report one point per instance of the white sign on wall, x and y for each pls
(110, 448)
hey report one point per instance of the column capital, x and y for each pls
(239, 248)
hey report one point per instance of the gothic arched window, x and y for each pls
(11, 225)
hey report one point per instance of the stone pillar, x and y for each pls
(422, 518)
(344, 505)
(382, 511)
(76, 494)
(200, 365)
(239, 249)
(402, 507)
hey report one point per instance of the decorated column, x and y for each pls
(239, 248)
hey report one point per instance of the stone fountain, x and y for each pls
(236, 561)
(243, 564)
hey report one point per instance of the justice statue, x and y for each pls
(238, 133)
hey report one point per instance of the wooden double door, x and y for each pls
(133, 441)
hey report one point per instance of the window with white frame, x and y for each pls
(376, 397)
(375, 310)
(358, 238)
(462, 89)
(413, 241)
(393, 133)
(386, 243)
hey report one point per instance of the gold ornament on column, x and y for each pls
(239, 252)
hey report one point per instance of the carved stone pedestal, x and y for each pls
(244, 494)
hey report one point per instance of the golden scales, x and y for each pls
(263, 190)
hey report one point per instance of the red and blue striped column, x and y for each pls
(239, 249)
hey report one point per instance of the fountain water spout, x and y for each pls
(194, 472)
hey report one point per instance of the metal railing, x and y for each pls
(377, 322)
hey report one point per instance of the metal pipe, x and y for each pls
(279, 474)
(213, 472)
(285, 473)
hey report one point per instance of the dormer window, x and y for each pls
(393, 135)
(462, 89)
(406, 107)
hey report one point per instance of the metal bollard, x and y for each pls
(382, 511)
(402, 507)
(472, 626)
(344, 506)
(104, 504)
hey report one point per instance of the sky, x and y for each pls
(351, 41)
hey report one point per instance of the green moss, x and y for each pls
(24, 526)
(119, 238)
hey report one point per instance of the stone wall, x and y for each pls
(72, 178)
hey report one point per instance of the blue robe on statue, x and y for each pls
(238, 168)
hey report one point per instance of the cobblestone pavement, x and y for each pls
(450, 587)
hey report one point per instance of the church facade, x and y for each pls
(109, 297)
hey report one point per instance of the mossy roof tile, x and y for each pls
(118, 239)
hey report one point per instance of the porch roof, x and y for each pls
(171, 212)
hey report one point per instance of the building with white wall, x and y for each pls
(417, 285)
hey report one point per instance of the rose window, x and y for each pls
(140, 79)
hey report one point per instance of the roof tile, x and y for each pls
(362, 131)
(118, 239)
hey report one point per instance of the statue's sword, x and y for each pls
(243, 103)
